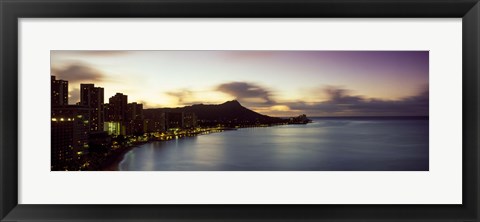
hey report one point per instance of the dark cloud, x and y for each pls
(181, 95)
(340, 95)
(247, 92)
(77, 73)
(341, 102)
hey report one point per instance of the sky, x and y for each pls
(275, 83)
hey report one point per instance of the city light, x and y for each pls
(105, 130)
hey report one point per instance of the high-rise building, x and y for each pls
(114, 128)
(174, 120)
(134, 111)
(135, 124)
(155, 122)
(92, 97)
(107, 112)
(189, 120)
(117, 108)
(116, 115)
(59, 92)
(135, 127)
(69, 136)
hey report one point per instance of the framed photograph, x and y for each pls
(226, 110)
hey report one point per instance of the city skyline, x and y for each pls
(106, 103)
(276, 83)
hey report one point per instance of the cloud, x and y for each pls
(341, 102)
(338, 102)
(340, 95)
(74, 96)
(181, 95)
(78, 73)
(247, 92)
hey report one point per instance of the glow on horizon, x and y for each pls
(277, 83)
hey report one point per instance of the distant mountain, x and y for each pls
(230, 113)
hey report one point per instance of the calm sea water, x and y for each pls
(327, 144)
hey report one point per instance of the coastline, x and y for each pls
(112, 164)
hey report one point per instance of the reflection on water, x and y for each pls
(327, 144)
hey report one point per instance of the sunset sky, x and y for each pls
(276, 83)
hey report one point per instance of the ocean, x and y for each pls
(326, 144)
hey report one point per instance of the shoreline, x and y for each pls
(112, 164)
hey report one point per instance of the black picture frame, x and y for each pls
(12, 10)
